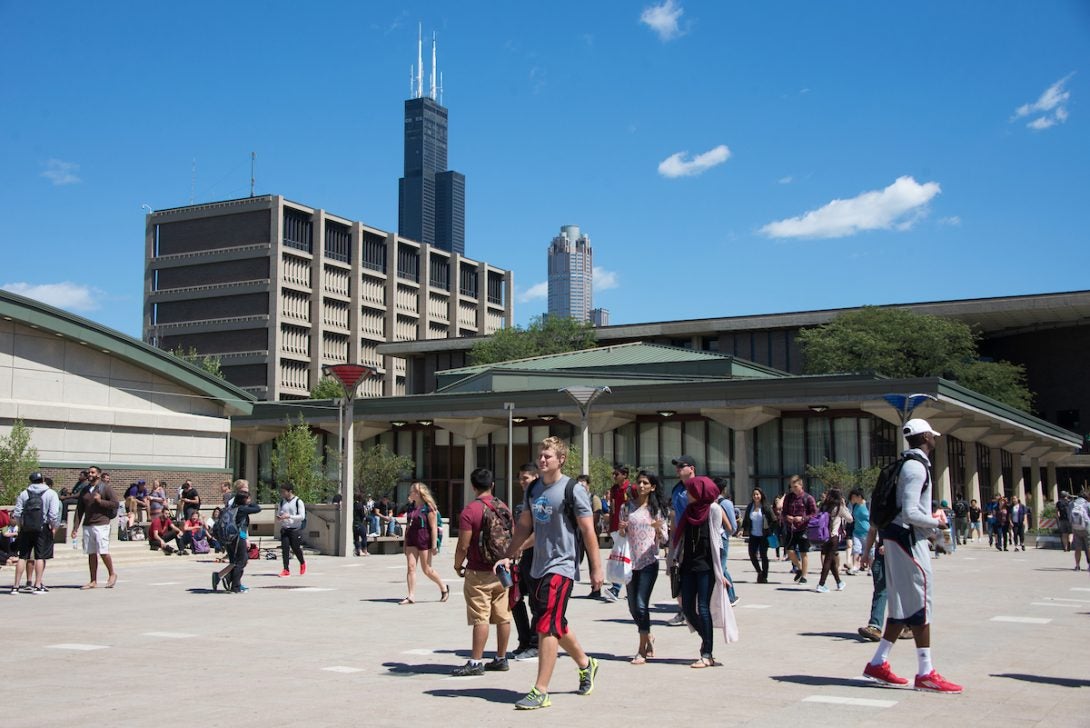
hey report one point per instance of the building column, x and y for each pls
(997, 471)
(469, 460)
(1038, 488)
(941, 471)
(1053, 486)
(251, 473)
(1019, 485)
(742, 482)
(972, 474)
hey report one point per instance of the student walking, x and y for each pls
(291, 513)
(421, 541)
(524, 584)
(96, 509)
(798, 508)
(560, 519)
(644, 524)
(758, 523)
(839, 518)
(234, 533)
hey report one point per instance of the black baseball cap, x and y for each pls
(684, 460)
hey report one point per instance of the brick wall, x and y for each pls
(208, 483)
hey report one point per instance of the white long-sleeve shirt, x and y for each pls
(914, 493)
(296, 511)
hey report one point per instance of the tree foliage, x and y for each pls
(18, 459)
(327, 388)
(207, 362)
(838, 475)
(545, 335)
(902, 344)
(600, 471)
(296, 459)
(378, 470)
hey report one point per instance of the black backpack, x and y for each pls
(225, 529)
(961, 509)
(884, 506)
(33, 511)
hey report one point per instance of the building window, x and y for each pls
(495, 288)
(408, 263)
(338, 242)
(439, 273)
(467, 281)
(298, 231)
(374, 252)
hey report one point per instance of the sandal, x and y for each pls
(91, 585)
(639, 660)
(445, 595)
(405, 601)
(703, 662)
(111, 581)
(650, 653)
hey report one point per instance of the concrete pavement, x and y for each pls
(334, 648)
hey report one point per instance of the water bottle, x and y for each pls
(504, 577)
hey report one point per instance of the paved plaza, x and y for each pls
(334, 648)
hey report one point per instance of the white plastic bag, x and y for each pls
(619, 566)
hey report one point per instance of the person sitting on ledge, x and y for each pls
(162, 530)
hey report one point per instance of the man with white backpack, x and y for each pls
(1078, 513)
(292, 514)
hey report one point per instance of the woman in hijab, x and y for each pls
(695, 550)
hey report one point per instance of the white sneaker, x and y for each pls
(677, 620)
(841, 586)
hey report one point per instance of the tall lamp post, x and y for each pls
(584, 396)
(510, 407)
(350, 376)
(905, 404)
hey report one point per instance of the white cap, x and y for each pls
(917, 427)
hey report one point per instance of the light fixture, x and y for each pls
(819, 408)
(425, 423)
(547, 418)
(584, 396)
(667, 413)
(518, 420)
(398, 423)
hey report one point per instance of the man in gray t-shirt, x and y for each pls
(555, 548)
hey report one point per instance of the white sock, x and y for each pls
(923, 655)
(882, 653)
(475, 663)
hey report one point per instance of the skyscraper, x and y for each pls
(431, 205)
(571, 269)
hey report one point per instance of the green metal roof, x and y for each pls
(624, 359)
(38, 315)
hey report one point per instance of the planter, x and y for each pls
(1046, 541)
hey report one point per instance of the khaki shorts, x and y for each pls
(486, 599)
(96, 539)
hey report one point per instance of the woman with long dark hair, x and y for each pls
(758, 524)
(695, 549)
(421, 540)
(839, 517)
(643, 523)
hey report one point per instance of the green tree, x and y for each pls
(545, 335)
(327, 388)
(18, 459)
(378, 470)
(838, 475)
(902, 344)
(600, 471)
(296, 459)
(208, 363)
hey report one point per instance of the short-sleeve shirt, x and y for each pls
(158, 526)
(470, 519)
(554, 536)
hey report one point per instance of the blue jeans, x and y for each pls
(723, 550)
(696, 600)
(639, 595)
(373, 521)
(878, 599)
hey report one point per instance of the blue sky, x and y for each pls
(725, 158)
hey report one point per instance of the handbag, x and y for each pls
(619, 566)
(675, 580)
(773, 541)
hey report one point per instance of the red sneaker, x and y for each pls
(935, 683)
(302, 569)
(285, 572)
(882, 674)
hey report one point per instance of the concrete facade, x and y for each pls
(276, 289)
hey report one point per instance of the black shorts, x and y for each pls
(799, 540)
(549, 604)
(38, 543)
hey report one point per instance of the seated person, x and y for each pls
(157, 496)
(162, 530)
(209, 526)
(193, 533)
(136, 499)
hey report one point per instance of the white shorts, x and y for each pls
(857, 546)
(96, 539)
(909, 584)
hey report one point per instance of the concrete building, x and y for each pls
(276, 289)
(94, 396)
(571, 275)
(599, 317)
(431, 206)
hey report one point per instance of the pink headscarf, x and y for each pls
(704, 493)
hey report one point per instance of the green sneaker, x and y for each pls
(534, 699)
(586, 677)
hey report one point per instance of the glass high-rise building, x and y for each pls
(571, 274)
(431, 199)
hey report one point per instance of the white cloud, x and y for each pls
(534, 292)
(61, 173)
(676, 166)
(1052, 104)
(786, 180)
(663, 19)
(71, 296)
(605, 279)
(951, 220)
(875, 210)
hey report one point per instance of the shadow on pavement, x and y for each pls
(823, 680)
(402, 668)
(492, 695)
(385, 600)
(847, 636)
(1064, 682)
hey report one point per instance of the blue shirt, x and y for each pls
(732, 517)
(861, 514)
(679, 499)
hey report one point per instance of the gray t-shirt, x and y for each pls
(554, 539)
